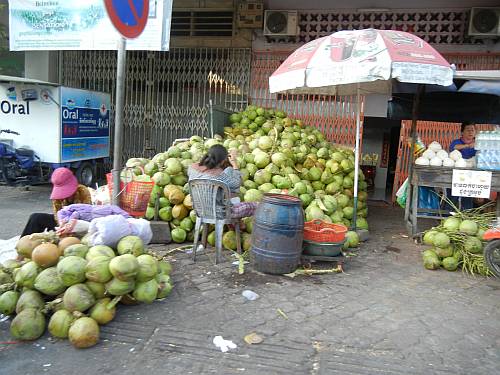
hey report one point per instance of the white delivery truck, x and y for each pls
(44, 126)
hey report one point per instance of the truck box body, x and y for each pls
(59, 124)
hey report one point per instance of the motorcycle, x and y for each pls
(20, 165)
(492, 250)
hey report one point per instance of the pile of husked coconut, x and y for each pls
(435, 156)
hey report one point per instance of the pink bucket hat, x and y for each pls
(64, 183)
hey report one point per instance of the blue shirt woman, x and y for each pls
(465, 144)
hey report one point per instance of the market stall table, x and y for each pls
(435, 177)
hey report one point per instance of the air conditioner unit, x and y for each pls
(484, 22)
(281, 22)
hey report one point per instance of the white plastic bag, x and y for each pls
(8, 249)
(142, 229)
(100, 196)
(108, 230)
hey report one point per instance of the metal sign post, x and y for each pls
(130, 19)
(120, 101)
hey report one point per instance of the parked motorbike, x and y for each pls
(492, 250)
(20, 165)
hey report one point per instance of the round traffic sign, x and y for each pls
(129, 17)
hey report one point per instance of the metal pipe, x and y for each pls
(120, 101)
(356, 159)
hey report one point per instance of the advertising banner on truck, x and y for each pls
(84, 124)
(81, 25)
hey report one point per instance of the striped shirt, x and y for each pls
(230, 176)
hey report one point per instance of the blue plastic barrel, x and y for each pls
(278, 230)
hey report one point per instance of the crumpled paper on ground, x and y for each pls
(224, 345)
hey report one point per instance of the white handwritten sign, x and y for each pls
(475, 184)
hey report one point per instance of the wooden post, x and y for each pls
(416, 104)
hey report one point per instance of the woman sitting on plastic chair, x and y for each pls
(219, 166)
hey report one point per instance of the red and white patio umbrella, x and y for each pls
(361, 62)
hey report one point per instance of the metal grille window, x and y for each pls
(167, 93)
(202, 23)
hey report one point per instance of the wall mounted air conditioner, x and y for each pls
(484, 22)
(281, 22)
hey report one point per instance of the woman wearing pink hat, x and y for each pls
(65, 191)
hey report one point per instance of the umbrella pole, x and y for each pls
(415, 109)
(356, 159)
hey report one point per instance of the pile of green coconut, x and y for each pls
(458, 243)
(277, 154)
(75, 287)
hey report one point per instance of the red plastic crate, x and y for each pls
(321, 231)
(134, 196)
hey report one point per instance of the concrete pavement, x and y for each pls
(385, 315)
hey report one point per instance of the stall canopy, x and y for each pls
(362, 62)
(473, 97)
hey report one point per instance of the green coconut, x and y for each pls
(164, 267)
(12, 264)
(130, 245)
(148, 267)
(48, 282)
(29, 324)
(100, 250)
(124, 267)
(29, 299)
(246, 241)
(5, 278)
(26, 244)
(71, 270)
(443, 252)
(78, 297)
(429, 237)
(97, 289)
(84, 333)
(452, 223)
(78, 250)
(8, 301)
(103, 311)
(27, 274)
(117, 287)
(441, 240)
(468, 227)
(97, 269)
(429, 252)
(450, 263)
(164, 286)
(473, 245)
(431, 262)
(146, 292)
(352, 238)
(60, 322)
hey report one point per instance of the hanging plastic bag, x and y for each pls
(402, 193)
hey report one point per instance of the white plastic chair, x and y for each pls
(204, 194)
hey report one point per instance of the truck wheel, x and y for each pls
(85, 174)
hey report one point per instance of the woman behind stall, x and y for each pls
(65, 191)
(465, 144)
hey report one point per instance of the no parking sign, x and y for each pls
(129, 17)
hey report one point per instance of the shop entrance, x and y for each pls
(379, 156)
